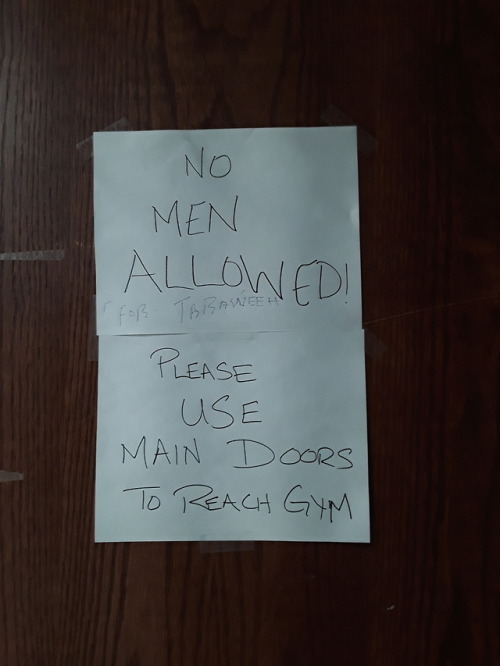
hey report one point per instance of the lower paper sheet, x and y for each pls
(258, 436)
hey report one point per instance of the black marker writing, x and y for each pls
(197, 218)
(220, 165)
(218, 417)
(139, 275)
(207, 500)
(295, 502)
(172, 454)
(320, 278)
(153, 502)
(242, 373)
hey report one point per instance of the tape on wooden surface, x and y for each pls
(35, 255)
(225, 546)
(336, 118)
(10, 476)
(374, 347)
(93, 343)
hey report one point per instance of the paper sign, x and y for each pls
(232, 436)
(231, 362)
(226, 230)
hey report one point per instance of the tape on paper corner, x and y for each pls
(10, 476)
(86, 148)
(93, 342)
(225, 546)
(374, 347)
(336, 118)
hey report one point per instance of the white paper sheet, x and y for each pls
(232, 436)
(186, 222)
(247, 421)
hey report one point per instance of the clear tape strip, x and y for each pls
(335, 117)
(86, 148)
(10, 476)
(93, 344)
(225, 546)
(374, 348)
(35, 255)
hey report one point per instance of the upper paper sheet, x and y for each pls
(226, 230)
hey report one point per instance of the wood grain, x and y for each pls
(422, 79)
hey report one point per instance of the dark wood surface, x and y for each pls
(419, 77)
